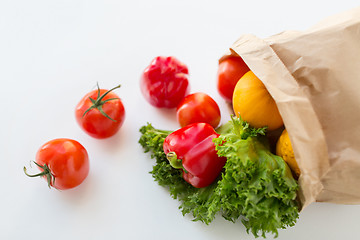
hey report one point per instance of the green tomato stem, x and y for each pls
(98, 103)
(45, 172)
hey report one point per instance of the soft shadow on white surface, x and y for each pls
(165, 113)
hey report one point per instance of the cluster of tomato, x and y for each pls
(64, 162)
(165, 84)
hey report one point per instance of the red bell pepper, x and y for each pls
(192, 150)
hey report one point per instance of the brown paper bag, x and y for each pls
(314, 77)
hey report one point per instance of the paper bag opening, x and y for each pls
(314, 78)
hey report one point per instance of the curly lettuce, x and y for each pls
(256, 186)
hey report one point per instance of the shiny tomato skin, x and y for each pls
(230, 70)
(198, 107)
(94, 122)
(67, 160)
(164, 83)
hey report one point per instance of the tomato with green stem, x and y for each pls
(63, 162)
(100, 113)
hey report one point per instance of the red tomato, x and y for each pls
(230, 70)
(198, 107)
(63, 162)
(100, 113)
(164, 83)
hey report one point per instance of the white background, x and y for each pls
(53, 52)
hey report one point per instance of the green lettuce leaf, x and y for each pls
(255, 186)
(164, 174)
(193, 200)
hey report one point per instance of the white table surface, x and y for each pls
(52, 52)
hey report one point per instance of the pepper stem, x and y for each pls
(45, 172)
(98, 103)
(174, 161)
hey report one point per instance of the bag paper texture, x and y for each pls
(314, 77)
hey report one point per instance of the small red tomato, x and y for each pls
(63, 162)
(230, 70)
(100, 113)
(198, 107)
(164, 83)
